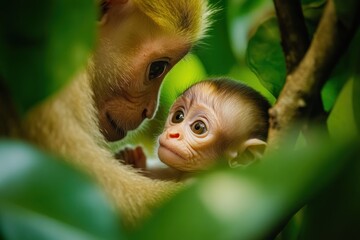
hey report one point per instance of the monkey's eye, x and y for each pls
(178, 117)
(199, 127)
(157, 69)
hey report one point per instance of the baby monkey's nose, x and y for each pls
(174, 135)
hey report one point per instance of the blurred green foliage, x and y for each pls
(216, 52)
(43, 198)
(42, 44)
(309, 193)
(249, 203)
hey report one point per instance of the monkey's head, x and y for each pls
(215, 119)
(139, 42)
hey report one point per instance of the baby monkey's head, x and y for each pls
(215, 119)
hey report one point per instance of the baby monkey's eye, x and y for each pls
(199, 127)
(178, 117)
(157, 69)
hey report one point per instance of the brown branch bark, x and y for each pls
(294, 36)
(304, 83)
(295, 42)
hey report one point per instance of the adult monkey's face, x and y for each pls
(131, 60)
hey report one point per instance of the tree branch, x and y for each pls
(294, 103)
(295, 42)
(294, 36)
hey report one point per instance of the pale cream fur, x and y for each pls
(62, 125)
(67, 124)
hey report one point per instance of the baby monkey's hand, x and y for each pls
(134, 157)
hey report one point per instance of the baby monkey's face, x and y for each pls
(214, 120)
(190, 140)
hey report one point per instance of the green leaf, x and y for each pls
(44, 198)
(215, 51)
(248, 203)
(264, 52)
(341, 121)
(245, 7)
(348, 11)
(356, 87)
(333, 86)
(243, 17)
(356, 101)
(243, 74)
(265, 57)
(345, 69)
(335, 213)
(187, 72)
(312, 2)
(312, 11)
(43, 44)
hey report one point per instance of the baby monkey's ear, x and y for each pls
(250, 151)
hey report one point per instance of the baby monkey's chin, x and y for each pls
(170, 157)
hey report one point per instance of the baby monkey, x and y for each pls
(215, 119)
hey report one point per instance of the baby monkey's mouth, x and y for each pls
(171, 149)
(120, 132)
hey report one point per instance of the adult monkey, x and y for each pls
(139, 41)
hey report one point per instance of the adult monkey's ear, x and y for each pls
(104, 6)
(250, 151)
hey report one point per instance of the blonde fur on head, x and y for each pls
(189, 18)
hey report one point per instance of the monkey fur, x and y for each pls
(69, 123)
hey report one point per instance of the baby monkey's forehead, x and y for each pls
(202, 92)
